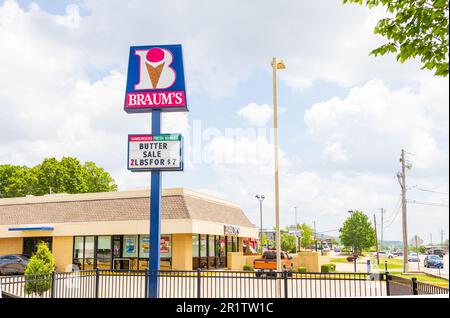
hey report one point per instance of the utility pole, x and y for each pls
(315, 243)
(442, 238)
(376, 238)
(431, 239)
(382, 226)
(402, 180)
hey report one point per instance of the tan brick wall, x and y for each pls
(182, 251)
(311, 260)
(12, 245)
(237, 260)
(62, 249)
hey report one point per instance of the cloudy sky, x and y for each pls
(344, 115)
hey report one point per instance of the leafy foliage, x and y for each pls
(306, 238)
(357, 232)
(328, 268)
(38, 272)
(415, 28)
(288, 242)
(65, 176)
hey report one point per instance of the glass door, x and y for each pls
(117, 252)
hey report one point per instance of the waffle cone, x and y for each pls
(154, 73)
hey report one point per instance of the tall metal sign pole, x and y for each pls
(155, 83)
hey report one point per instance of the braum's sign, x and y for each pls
(155, 79)
(155, 152)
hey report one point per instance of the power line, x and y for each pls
(429, 203)
(394, 208)
(395, 215)
(426, 190)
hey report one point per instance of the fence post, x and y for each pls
(53, 291)
(199, 283)
(285, 278)
(97, 281)
(146, 283)
(414, 286)
(388, 291)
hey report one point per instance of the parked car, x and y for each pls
(413, 257)
(267, 264)
(11, 264)
(398, 253)
(337, 249)
(384, 254)
(438, 252)
(433, 261)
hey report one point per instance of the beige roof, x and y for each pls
(119, 206)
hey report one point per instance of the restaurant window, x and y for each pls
(130, 252)
(30, 244)
(104, 252)
(235, 244)
(203, 251)
(89, 249)
(78, 251)
(229, 244)
(166, 252)
(211, 247)
(195, 251)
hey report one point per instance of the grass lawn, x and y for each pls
(344, 260)
(393, 263)
(424, 278)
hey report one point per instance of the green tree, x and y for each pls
(20, 183)
(306, 238)
(416, 28)
(420, 249)
(65, 176)
(357, 232)
(97, 179)
(6, 172)
(38, 278)
(288, 242)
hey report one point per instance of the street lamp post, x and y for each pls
(260, 198)
(277, 64)
(296, 230)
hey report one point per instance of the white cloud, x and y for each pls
(335, 152)
(255, 114)
(374, 122)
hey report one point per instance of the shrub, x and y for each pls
(302, 270)
(328, 268)
(247, 268)
(38, 277)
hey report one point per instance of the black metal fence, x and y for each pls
(214, 284)
(400, 286)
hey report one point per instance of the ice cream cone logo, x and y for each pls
(155, 69)
(154, 56)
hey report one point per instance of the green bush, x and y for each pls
(302, 270)
(247, 268)
(328, 268)
(38, 278)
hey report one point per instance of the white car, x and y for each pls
(384, 255)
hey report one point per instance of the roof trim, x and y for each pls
(128, 194)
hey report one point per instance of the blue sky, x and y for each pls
(344, 115)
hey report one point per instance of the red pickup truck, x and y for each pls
(267, 264)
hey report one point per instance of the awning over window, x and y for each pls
(37, 228)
